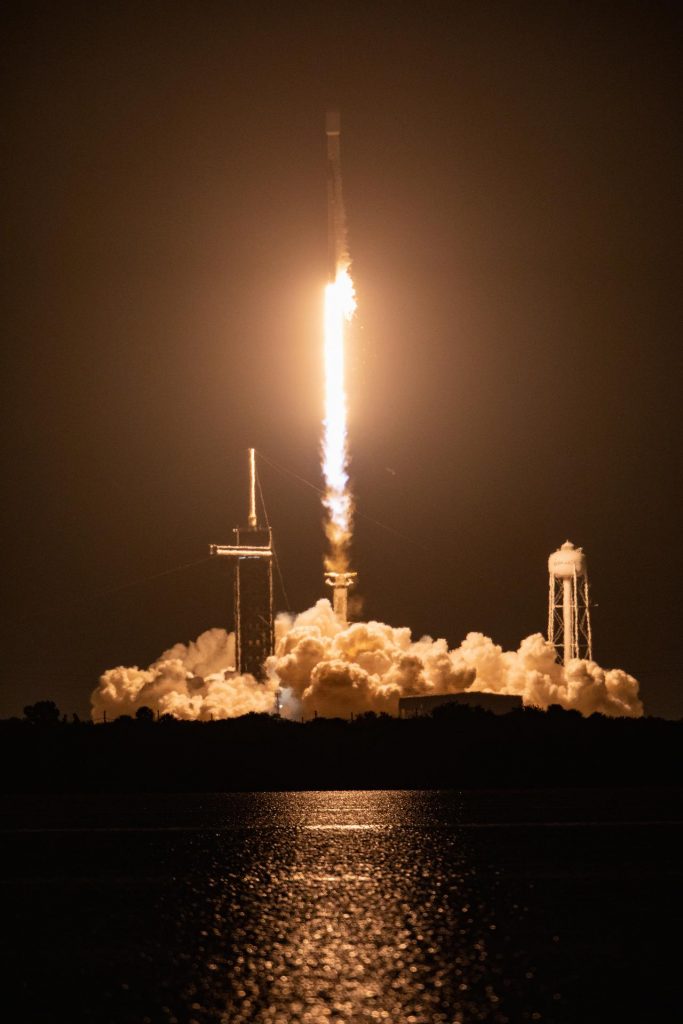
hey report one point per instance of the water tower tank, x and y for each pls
(567, 562)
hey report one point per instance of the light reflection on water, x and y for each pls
(347, 828)
(353, 909)
(342, 907)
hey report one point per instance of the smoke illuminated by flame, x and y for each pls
(340, 304)
(322, 666)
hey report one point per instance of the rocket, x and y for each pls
(336, 219)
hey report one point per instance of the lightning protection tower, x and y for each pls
(569, 618)
(252, 553)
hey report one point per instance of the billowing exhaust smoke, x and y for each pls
(195, 681)
(323, 666)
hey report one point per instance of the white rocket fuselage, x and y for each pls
(336, 227)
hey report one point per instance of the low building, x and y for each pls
(424, 704)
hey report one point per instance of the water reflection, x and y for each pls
(348, 907)
(343, 907)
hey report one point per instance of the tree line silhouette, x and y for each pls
(455, 747)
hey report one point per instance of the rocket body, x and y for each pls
(336, 219)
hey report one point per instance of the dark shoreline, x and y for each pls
(459, 749)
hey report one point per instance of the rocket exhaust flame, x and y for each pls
(339, 307)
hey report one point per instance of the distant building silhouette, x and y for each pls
(424, 704)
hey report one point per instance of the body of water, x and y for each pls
(554, 906)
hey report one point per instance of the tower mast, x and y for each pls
(252, 554)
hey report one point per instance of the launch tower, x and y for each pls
(569, 619)
(253, 586)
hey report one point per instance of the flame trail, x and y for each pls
(340, 304)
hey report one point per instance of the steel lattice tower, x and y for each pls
(253, 587)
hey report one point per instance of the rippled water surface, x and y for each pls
(343, 907)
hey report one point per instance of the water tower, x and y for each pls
(569, 619)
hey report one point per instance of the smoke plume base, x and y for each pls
(322, 667)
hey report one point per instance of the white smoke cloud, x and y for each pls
(189, 681)
(322, 667)
(367, 666)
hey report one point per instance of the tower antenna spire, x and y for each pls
(252, 490)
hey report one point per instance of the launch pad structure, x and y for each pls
(340, 583)
(252, 553)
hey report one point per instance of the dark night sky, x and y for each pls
(511, 176)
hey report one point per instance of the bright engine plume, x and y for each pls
(339, 307)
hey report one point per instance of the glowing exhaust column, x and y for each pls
(339, 307)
